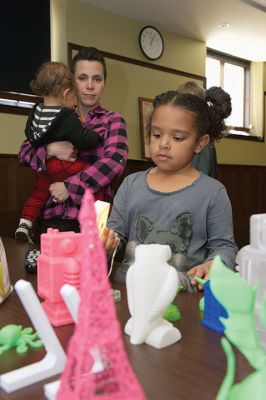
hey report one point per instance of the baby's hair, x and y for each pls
(209, 113)
(192, 88)
(51, 78)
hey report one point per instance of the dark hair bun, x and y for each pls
(220, 100)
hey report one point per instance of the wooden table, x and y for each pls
(190, 369)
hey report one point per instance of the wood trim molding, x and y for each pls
(244, 137)
(73, 46)
(4, 108)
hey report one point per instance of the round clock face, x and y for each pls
(151, 42)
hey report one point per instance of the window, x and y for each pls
(233, 75)
(25, 45)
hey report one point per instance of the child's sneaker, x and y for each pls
(30, 263)
(24, 233)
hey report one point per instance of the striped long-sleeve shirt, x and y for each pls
(106, 162)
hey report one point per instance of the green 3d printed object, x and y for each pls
(172, 313)
(239, 298)
(15, 336)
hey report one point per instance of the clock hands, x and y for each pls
(152, 39)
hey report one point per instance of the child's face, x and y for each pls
(174, 138)
(69, 99)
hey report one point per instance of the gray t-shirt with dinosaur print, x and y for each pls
(196, 222)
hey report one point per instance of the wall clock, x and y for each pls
(151, 42)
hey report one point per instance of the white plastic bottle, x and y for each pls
(251, 264)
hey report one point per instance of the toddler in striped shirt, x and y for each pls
(53, 119)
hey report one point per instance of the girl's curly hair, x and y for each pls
(209, 113)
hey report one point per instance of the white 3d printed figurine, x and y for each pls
(251, 264)
(251, 259)
(151, 286)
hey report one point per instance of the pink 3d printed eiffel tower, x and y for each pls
(97, 366)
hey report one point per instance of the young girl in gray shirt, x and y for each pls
(173, 203)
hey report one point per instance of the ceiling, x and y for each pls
(200, 19)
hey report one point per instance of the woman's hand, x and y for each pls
(109, 240)
(200, 271)
(59, 192)
(64, 151)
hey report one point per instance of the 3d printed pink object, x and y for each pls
(97, 365)
(58, 263)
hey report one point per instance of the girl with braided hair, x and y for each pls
(173, 203)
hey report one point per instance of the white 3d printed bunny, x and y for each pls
(151, 286)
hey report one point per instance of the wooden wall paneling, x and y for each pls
(261, 191)
(8, 185)
(230, 178)
(4, 195)
(245, 186)
(16, 182)
(25, 179)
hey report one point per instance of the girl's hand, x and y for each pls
(59, 192)
(63, 150)
(200, 271)
(109, 240)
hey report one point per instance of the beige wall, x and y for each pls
(12, 132)
(58, 10)
(76, 22)
(119, 35)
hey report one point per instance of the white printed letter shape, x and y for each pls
(54, 361)
(151, 286)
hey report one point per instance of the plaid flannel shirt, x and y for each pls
(106, 162)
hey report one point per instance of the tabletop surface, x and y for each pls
(193, 368)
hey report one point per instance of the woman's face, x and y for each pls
(89, 78)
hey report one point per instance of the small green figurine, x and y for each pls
(239, 298)
(15, 336)
(172, 313)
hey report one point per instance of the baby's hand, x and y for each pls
(200, 271)
(63, 150)
(109, 240)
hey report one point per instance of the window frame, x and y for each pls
(223, 58)
(19, 98)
